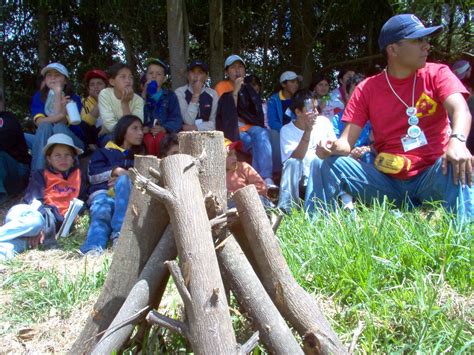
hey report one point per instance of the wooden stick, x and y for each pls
(295, 304)
(154, 317)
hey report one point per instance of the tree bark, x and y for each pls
(148, 291)
(209, 327)
(216, 41)
(294, 303)
(243, 281)
(177, 39)
(142, 228)
(235, 26)
(43, 35)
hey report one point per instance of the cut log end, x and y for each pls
(311, 344)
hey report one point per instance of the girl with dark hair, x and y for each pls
(48, 108)
(340, 92)
(110, 185)
(118, 100)
(327, 106)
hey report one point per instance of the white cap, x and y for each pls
(290, 75)
(61, 138)
(55, 66)
(232, 59)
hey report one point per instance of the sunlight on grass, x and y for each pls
(406, 275)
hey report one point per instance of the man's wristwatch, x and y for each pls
(459, 136)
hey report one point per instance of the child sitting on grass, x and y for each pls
(55, 187)
(118, 101)
(110, 185)
(162, 113)
(240, 174)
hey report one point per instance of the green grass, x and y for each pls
(37, 294)
(407, 276)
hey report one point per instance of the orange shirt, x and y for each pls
(245, 175)
(59, 191)
(224, 86)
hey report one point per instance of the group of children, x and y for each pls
(117, 123)
(279, 137)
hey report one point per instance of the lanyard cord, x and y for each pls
(398, 97)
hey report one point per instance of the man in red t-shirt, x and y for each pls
(420, 156)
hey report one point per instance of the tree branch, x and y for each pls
(251, 343)
(154, 317)
(145, 185)
(175, 272)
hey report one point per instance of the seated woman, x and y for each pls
(240, 174)
(48, 109)
(327, 105)
(110, 185)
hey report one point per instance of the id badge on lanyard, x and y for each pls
(410, 143)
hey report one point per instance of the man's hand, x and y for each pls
(146, 129)
(324, 148)
(238, 85)
(461, 160)
(309, 119)
(358, 152)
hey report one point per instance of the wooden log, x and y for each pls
(294, 303)
(144, 223)
(199, 281)
(237, 270)
(146, 292)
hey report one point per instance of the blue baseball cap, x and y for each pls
(404, 26)
(57, 67)
(159, 62)
(200, 64)
(232, 59)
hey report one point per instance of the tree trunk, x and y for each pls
(295, 304)
(296, 42)
(308, 35)
(148, 291)
(2, 65)
(177, 39)
(216, 41)
(142, 228)
(129, 52)
(209, 327)
(43, 35)
(235, 26)
(237, 270)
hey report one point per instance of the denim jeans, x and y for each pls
(362, 180)
(107, 215)
(257, 140)
(44, 131)
(13, 175)
(291, 178)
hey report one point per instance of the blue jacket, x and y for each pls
(102, 162)
(339, 125)
(275, 114)
(166, 111)
(37, 105)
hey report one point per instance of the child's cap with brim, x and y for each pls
(159, 62)
(232, 59)
(96, 73)
(61, 138)
(229, 145)
(55, 66)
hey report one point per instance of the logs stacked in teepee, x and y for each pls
(178, 207)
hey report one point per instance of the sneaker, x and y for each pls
(92, 253)
(270, 184)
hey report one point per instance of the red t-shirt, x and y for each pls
(374, 99)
